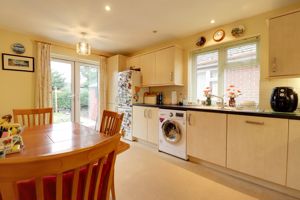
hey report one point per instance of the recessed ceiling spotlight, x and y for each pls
(212, 21)
(107, 8)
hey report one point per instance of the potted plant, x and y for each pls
(232, 93)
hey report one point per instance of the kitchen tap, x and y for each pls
(219, 97)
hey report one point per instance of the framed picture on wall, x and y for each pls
(17, 63)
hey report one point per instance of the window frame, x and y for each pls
(222, 58)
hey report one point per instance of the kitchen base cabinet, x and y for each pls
(293, 172)
(206, 136)
(257, 146)
(145, 123)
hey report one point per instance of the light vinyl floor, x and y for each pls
(143, 173)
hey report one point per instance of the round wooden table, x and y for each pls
(58, 138)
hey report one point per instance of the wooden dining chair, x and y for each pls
(110, 125)
(33, 117)
(111, 122)
(80, 174)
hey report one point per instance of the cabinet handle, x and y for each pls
(255, 123)
(145, 114)
(172, 76)
(189, 119)
(149, 114)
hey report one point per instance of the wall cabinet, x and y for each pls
(160, 68)
(168, 66)
(206, 136)
(258, 146)
(147, 63)
(145, 123)
(114, 65)
(284, 45)
(293, 172)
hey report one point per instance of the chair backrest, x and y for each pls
(111, 122)
(82, 174)
(33, 117)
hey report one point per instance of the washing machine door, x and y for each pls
(171, 131)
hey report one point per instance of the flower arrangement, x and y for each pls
(233, 92)
(207, 92)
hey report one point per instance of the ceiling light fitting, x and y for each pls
(107, 8)
(212, 21)
(83, 47)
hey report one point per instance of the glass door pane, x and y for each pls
(88, 94)
(62, 90)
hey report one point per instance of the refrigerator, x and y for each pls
(129, 92)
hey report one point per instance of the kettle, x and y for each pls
(284, 99)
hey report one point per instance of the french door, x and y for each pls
(75, 91)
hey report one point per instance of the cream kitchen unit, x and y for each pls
(206, 136)
(257, 146)
(160, 68)
(145, 123)
(293, 164)
(284, 54)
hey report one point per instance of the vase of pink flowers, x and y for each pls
(232, 93)
(207, 94)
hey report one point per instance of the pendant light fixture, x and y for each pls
(83, 47)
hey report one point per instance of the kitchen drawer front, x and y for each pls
(258, 146)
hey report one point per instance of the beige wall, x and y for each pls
(17, 88)
(255, 26)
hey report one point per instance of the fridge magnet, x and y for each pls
(17, 63)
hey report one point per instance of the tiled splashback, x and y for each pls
(266, 87)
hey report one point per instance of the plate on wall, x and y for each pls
(18, 48)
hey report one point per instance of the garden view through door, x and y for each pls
(75, 92)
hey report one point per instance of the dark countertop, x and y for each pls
(272, 114)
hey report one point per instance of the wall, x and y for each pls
(17, 88)
(255, 26)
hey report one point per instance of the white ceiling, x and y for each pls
(128, 26)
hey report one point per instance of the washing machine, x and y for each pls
(172, 133)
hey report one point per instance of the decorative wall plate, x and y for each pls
(18, 48)
(219, 35)
(201, 41)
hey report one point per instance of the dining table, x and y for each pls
(52, 139)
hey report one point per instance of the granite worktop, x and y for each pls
(228, 110)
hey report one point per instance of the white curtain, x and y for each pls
(102, 90)
(43, 90)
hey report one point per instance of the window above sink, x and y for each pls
(233, 64)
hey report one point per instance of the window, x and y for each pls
(229, 65)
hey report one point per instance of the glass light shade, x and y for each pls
(83, 48)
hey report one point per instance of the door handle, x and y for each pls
(254, 122)
(149, 114)
(145, 113)
(189, 119)
(171, 76)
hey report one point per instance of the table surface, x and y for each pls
(59, 138)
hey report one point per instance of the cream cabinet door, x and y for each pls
(258, 146)
(165, 66)
(133, 61)
(147, 64)
(284, 45)
(152, 114)
(139, 122)
(293, 171)
(206, 136)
